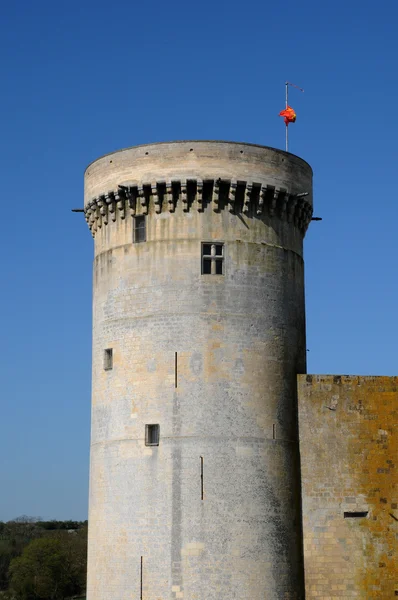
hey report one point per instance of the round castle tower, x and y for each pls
(198, 335)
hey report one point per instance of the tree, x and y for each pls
(50, 568)
(14, 536)
(75, 546)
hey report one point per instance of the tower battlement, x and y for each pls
(248, 198)
(195, 176)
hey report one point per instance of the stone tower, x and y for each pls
(198, 335)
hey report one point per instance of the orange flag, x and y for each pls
(289, 114)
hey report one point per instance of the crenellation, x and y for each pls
(216, 194)
(142, 198)
(184, 195)
(261, 199)
(170, 196)
(298, 215)
(109, 199)
(274, 200)
(157, 197)
(247, 198)
(232, 196)
(94, 217)
(120, 203)
(103, 208)
(283, 199)
(291, 208)
(199, 194)
(131, 196)
(191, 193)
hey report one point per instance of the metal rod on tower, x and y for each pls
(287, 83)
(287, 127)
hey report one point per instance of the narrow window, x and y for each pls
(355, 515)
(201, 478)
(139, 232)
(152, 435)
(175, 370)
(108, 359)
(141, 576)
(212, 259)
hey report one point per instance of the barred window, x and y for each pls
(212, 259)
(152, 435)
(139, 232)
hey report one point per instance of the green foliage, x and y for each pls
(14, 535)
(50, 568)
(51, 525)
(6, 554)
(27, 543)
(40, 572)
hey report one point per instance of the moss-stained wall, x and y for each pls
(349, 453)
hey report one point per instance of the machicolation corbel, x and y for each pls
(251, 198)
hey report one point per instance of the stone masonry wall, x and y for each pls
(349, 452)
(213, 512)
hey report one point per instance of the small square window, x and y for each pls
(139, 232)
(212, 259)
(108, 359)
(152, 433)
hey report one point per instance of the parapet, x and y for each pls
(198, 175)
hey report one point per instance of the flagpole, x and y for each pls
(287, 129)
(287, 83)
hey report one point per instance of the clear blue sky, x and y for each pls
(83, 78)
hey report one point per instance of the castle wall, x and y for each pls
(213, 512)
(348, 443)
